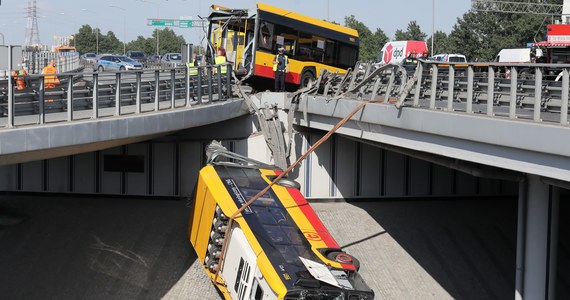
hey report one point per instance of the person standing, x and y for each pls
(280, 67)
(52, 80)
(221, 60)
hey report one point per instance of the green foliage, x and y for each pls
(481, 35)
(413, 33)
(441, 43)
(85, 41)
(370, 43)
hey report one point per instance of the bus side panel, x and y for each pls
(264, 68)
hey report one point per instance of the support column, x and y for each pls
(538, 229)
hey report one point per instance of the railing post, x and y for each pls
(564, 104)
(537, 93)
(513, 100)
(41, 101)
(450, 87)
(490, 90)
(433, 86)
(156, 90)
(210, 85)
(470, 75)
(138, 98)
(95, 96)
(172, 88)
(118, 94)
(390, 85)
(187, 79)
(219, 80)
(229, 81)
(70, 99)
(11, 98)
(420, 71)
(199, 85)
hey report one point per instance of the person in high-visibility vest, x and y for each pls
(221, 59)
(19, 78)
(280, 67)
(50, 81)
(191, 65)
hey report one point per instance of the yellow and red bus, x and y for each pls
(251, 38)
(276, 248)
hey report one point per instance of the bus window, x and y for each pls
(286, 38)
(266, 36)
(347, 55)
(258, 294)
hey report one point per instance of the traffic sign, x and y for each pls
(185, 23)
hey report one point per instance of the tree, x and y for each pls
(169, 41)
(86, 40)
(413, 33)
(370, 44)
(441, 43)
(481, 35)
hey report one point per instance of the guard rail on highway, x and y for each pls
(537, 92)
(126, 91)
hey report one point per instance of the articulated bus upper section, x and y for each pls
(251, 39)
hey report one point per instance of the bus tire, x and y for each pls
(306, 77)
(343, 258)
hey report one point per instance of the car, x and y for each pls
(172, 59)
(137, 55)
(449, 58)
(88, 57)
(113, 62)
(153, 58)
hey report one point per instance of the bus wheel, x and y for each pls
(343, 258)
(306, 78)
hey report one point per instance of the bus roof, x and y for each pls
(306, 19)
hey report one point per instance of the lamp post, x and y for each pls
(432, 25)
(158, 17)
(124, 26)
(96, 29)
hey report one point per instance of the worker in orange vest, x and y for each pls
(50, 81)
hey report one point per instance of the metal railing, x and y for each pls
(537, 92)
(103, 94)
(64, 62)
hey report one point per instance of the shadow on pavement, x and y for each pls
(86, 248)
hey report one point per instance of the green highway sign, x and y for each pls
(182, 23)
(161, 22)
(185, 23)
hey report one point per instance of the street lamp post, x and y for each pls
(432, 25)
(96, 29)
(158, 17)
(124, 27)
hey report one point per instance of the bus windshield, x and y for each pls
(251, 38)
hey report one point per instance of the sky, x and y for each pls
(64, 17)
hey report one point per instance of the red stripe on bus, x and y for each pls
(267, 72)
(316, 222)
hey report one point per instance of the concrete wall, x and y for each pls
(340, 168)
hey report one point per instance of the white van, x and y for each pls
(518, 55)
(449, 58)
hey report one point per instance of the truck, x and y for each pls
(517, 55)
(396, 51)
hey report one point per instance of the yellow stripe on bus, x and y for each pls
(306, 19)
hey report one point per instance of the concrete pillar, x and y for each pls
(538, 229)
